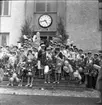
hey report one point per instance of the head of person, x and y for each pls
(100, 56)
(43, 46)
(13, 53)
(80, 51)
(96, 56)
(29, 52)
(89, 54)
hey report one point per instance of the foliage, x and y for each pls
(61, 30)
(26, 30)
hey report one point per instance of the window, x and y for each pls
(100, 0)
(100, 15)
(4, 7)
(51, 6)
(4, 39)
(0, 7)
(40, 7)
(46, 6)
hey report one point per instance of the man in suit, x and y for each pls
(89, 68)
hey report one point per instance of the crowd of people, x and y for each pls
(52, 63)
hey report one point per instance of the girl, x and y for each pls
(30, 70)
(58, 67)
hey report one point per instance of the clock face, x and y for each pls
(45, 21)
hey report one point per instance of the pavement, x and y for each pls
(45, 92)
(41, 96)
(45, 100)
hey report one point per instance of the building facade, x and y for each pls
(82, 20)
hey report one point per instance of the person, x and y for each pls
(89, 68)
(99, 81)
(41, 60)
(30, 70)
(47, 69)
(59, 63)
(95, 72)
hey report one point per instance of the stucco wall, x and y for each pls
(12, 23)
(82, 23)
(82, 18)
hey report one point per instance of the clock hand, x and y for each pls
(42, 21)
(46, 22)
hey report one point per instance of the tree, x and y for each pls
(27, 31)
(61, 30)
(26, 28)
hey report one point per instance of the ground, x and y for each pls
(35, 96)
(45, 100)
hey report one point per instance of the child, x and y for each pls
(30, 70)
(13, 78)
(12, 70)
(77, 75)
(48, 65)
(59, 63)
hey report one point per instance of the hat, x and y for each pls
(35, 49)
(89, 52)
(96, 54)
(21, 49)
(42, 45)
(49, 48)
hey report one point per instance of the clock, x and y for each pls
(45, 20)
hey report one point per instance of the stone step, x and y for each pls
(60, 86)
(39, 83)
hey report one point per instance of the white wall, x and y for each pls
(82, 23)
(13, 23)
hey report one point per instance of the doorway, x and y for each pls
(46, 39)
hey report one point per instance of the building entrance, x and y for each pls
(46, 39)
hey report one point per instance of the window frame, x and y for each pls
(46, 4)
(9, 9)
(100, 20)
(7, 37)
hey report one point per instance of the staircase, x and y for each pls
(39, 84)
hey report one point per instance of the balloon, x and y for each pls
(66, 63)
(14, 75)
(66, 69)
(80, 69)
(46, 70)
(77, 75)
